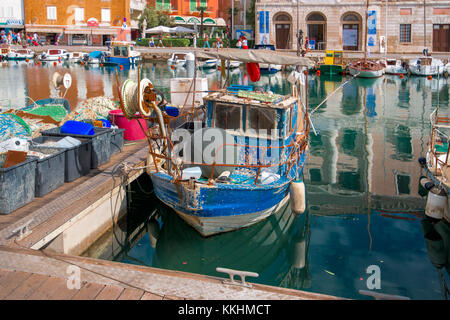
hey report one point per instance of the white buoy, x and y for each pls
(298, 197)
(300, 254)
(437, 203)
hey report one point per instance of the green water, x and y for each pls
(362, 183)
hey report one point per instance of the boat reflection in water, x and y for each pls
(276, 248)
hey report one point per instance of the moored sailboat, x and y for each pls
(365, 68)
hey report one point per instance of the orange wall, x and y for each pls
(36, 11)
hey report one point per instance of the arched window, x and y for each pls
(351, 31)
(316, 17)
(317, 26)
(282, 18)
(351, 17)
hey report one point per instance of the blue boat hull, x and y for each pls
(221, 207)
(122, 61)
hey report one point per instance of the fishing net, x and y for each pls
(57, 112)
(12, 126)
(100, 105)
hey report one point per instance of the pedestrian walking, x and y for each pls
(160, 42)
(152, 42)
(206, 42)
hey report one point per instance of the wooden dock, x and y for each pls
(33, 274)
(40, 264)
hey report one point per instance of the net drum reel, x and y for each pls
(149, 98)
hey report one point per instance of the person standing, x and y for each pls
(152, 42)
(239, 43)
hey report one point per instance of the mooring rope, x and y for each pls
(130, 97)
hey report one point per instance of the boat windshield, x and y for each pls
(54, 51)
(179, 56)
(391, 62)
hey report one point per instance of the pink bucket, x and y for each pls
(132, 128)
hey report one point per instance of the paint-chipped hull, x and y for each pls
(222, 207)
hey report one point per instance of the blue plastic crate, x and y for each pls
(77, 127)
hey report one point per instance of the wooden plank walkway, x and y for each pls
(60, 206)
(31, 274)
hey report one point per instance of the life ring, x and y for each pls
(254, 71)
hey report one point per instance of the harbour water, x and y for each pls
(364, 206)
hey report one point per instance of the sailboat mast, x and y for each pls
(365, 38)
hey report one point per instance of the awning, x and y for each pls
(219, 22)
(258, 56)
(44, 29)
(93, 31)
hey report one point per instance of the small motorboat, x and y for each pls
(4, 51)
(77, 57)
(208, 64)
(426, 66)
(54, 55)
(122, 53)
(20, 54)
(395, 67)
(178, 59)
(95, 57)
(233, 64)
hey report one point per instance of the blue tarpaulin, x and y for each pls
(95, 54)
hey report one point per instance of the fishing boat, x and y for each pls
(365, 68)
(333, 63)
(54, 55)
(20, 54)
(437, 167)
(264, 67)
(178, 59)
(252, 162)
(395, 67)
(426, 66)
(123, 53)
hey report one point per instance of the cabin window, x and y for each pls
(228, 117)
(125, 51)
(117, 51)
(261, 118)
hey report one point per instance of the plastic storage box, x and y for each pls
(100, 143)
(17, 185)
(117, 140)
(77, 158)
(50, 171)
